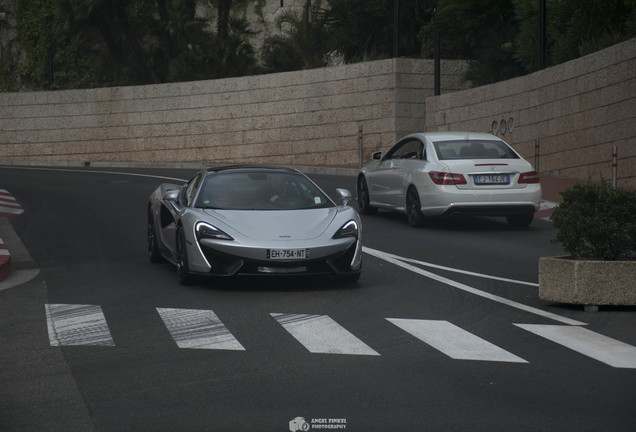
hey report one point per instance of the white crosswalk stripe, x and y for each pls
(71, 324)
(454, 341)
(198, 329)
(321, 334)
(587, 342)
(77, 324)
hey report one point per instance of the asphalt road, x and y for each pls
(444, 330)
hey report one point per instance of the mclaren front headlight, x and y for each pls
(350, 229)
(204, 230)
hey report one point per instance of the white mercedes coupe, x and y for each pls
(450, 173)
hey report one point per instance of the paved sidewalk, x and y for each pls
(14, 256)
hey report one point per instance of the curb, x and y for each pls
(13, 254)
(5, 261)
(545, 210)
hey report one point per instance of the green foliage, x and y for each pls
(573, 28)
(596, 221)
(279, 55)
(363, 30)
(93, 43)
(477, 30)
(306, 40)
(527, 12)
(7, 71)
(34, 19)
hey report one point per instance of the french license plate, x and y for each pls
(492, 179)
(287, 254)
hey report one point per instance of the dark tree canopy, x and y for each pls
(95, 43)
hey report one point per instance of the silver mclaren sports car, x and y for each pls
(250, 220)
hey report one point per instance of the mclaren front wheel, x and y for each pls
(183, 270)
(153, 247)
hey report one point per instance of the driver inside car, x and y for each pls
(280, 188)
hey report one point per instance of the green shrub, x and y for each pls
(596, 221)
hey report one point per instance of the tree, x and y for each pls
(34, 19)
(306, 43)
(184, 42)
(574, 28)
(116, 42)
(90, 43)
(364, 29)
(223, 20)
(481, 31)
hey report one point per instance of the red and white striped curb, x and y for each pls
(546, 208)
(5, 261)
(8, 204)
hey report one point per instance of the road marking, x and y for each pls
(5, 261)
(70, 324)
(9, 206)
(454, 341)
(466, 272)
(321, 334)
(95, 172)
(602, 348)
(198, 329)
(399, 261)
(545, 211)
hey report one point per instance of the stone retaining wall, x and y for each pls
(308, 117)
(578, 111)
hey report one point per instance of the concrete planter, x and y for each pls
(587, 282)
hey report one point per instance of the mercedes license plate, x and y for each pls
(492, 179)
(287, 254)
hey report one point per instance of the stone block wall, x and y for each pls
(578, 112)
(308, 117)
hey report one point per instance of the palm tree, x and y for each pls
(106, 39)
(305, 42)
(362, 29)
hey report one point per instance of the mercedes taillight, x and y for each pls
(444, 178)
(529, 177)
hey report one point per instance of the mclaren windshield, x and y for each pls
(260, 190)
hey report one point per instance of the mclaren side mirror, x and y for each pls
(171, 195)
(344, 195)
